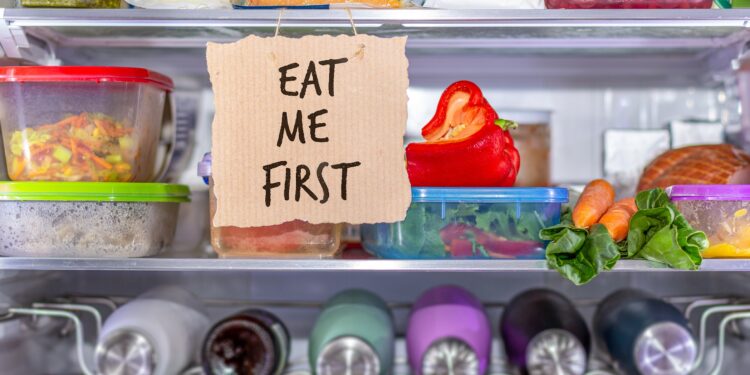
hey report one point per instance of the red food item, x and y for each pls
(697, 165)
(466, 144)
(456, 237)
(288, 237)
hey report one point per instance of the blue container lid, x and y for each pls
(490, 195)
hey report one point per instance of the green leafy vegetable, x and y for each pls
(419, 235)
(577, 254)
(658, 232)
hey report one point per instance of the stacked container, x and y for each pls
(82, 144)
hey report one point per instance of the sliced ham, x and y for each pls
(694, 165)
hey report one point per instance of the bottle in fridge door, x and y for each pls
(253, 342)
(448, 333)
(157, 333)
(644, 335)
(543, 333)
(354, 334)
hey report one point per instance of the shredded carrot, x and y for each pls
(19, 164)
(597, 197)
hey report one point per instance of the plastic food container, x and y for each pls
(82, 123)
(293, 239)
(85, 219)
(719, 210)
(469, 223)
(71, 3)
(627, 4)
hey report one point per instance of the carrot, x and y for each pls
(19, 164)
(617, 218)
(593, 203)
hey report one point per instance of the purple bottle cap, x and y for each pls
(453, 316)
(709, 192)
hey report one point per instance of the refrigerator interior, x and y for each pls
(598, 72)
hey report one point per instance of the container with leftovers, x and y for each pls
(722, 212)
(294, 239)
(100, 124)
(85, 219)
(469, 223)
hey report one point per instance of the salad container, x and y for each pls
(293, 239)
(721, 211)
(86, 219)
(469, 223)
(74, 123)
(628, 4)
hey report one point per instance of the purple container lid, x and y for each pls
(709, 192)
(448, 312)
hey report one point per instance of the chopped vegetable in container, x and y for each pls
(72, 123)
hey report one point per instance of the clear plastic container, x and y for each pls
(469, 223)
(721, 211)
(628, 4)
(81, 123)
(85, 219)
(71, 3)
(293, 239)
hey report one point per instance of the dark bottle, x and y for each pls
(544, 334)
(252, 342)
(644, 335)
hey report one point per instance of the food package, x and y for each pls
(692, 133)
(627, 152)
(298, 3)
(707, 164)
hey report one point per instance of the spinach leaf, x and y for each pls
(660, 233)
(577, 254)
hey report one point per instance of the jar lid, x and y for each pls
(84, 74)
(94, 192)
(709, 192)
(482, 195)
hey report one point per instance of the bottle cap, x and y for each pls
(348, 355)
(450, 356)
(665, 348)
(555, 352)
(125, 352)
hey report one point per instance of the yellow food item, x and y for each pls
(725, 250)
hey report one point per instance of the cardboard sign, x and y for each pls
(309, 129)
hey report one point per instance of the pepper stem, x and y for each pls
(506, 124)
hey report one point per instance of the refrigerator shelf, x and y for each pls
(326, 265)
(541, 47)
(597, 31)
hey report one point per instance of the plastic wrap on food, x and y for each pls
(627, 152)
(692, 133)
(484, 4)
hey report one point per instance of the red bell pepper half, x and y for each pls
(466, 144)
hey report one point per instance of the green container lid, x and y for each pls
(94, 192)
